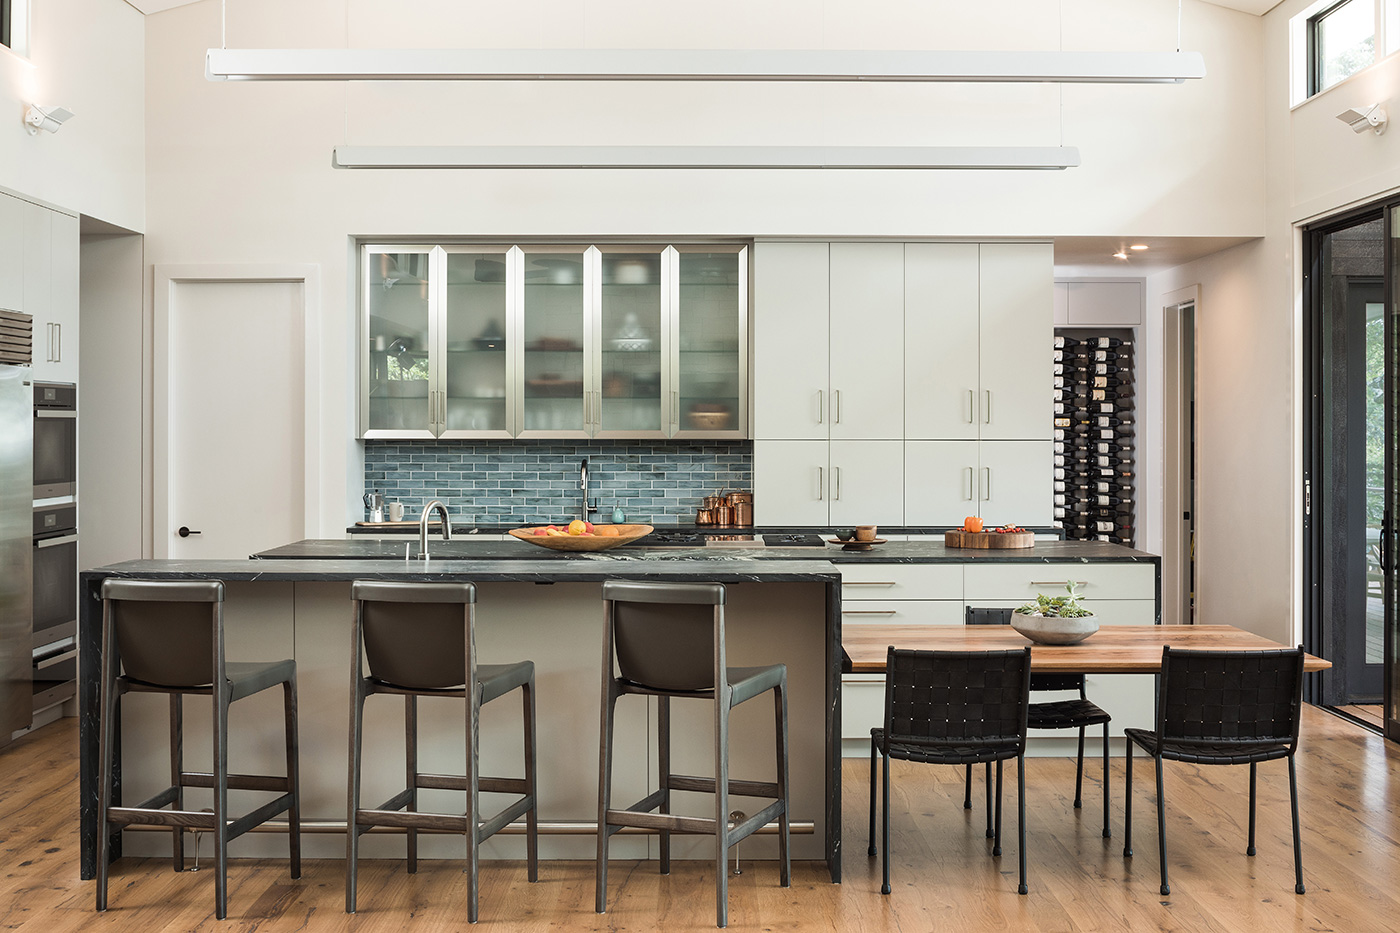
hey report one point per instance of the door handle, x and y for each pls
(836, 410)
(868, 612)
(971, 404)
(837, 494)
(970, 481)
(987, 490)
(987, 412)
(676, 409)
(58, 349)
(821, 405)
(185, 532)
(821, 483)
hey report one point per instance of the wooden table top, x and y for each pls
(1115, 649)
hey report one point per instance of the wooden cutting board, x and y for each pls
(988, 539)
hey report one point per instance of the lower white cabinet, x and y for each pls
(1004, 482)
(828, 483)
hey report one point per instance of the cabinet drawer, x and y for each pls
(900, 581)
(902, 612)
(1024, 581)
(862, 704)
(1109, 611)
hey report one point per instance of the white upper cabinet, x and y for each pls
(1014, 484)
(867, 340)
(941, 330)
(11, 253)
(790, 482)
(866, 483)
(1099, 304)
(791, 341)
(1016, 337)
(63, 301)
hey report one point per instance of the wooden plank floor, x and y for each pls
(943, 877)
(1373, 714)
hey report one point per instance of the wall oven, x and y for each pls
(55, 439)
(55, 603)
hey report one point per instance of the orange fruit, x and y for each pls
(606, 531)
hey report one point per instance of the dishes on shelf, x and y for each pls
(631, 344)
(554, 345)
(703, 417)
(548, 386)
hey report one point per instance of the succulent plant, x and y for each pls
(1064, 607)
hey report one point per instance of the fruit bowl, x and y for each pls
(626, 534)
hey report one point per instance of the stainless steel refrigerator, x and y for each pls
(16, 548)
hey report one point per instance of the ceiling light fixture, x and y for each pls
(700, 65)
(1120, 255)
(38, 117)
(1138, 246)
(706, 157)
(1364, 118)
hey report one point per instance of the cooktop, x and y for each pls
(676, 539)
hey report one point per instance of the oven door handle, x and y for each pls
(55, 542)
(67, 654)
(54, 413)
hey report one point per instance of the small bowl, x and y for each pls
(843, 534)
(866, 532)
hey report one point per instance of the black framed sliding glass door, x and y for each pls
(1350, 461)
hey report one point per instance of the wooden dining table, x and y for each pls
(1113, 649)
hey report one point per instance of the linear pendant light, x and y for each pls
(707, 157)
(701, 65)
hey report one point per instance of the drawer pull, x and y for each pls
(1059, 582)
(868, 612)
(869, 583)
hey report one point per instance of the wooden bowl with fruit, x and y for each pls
(582, 536)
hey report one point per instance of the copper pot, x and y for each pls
(714, 502)
(705, 517)
(724, 515)
(743, 514)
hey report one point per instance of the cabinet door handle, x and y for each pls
(821, 405)
(968, 497)
(836, 410)
(821, 483)
(987, 489)
(837, 494)
(1059, 582)
(868, 612)
(987, 412)
(58, 343)
(971, 404)
(676, 409)
(868, 583)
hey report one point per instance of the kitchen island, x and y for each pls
(785, 605)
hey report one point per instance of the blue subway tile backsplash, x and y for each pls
(532, 482)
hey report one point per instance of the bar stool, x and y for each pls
(168, 637)
(419, 640)
(667, 640)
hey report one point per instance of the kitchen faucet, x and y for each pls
(423, 526)
(583, 484)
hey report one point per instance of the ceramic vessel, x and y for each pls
(1054, 630)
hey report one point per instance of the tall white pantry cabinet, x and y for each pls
(902, 383)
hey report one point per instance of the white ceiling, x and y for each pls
(1162, 252)
(1257, 7)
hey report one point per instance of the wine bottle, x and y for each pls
(1109, 342)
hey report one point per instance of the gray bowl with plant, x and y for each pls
(1055, 620)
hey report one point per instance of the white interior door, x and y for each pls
(231, 428)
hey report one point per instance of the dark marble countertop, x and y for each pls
(480, 570)
(895, 552)
(468, 528)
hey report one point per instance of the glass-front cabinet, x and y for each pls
(546, 341)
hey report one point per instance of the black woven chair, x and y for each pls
(1054, 714)
(953, 708)
(1222, 708)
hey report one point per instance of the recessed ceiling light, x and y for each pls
(1138, 246)
(1120, 255)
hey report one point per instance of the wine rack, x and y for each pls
(1095, 436)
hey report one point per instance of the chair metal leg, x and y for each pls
(177, 767)
(532, 815)
(1297, 834)
(722, 701)
(1021, 816)
(663, 758)
(410, 767)
(352, 832)
(996, 836)
(780, 724)
(885, 825)
(293, 740)
(1253, 787)
(871, 850)
(967, 788)
(990, 832)
(1079, 773)
(473, 800)
(1107, 832)
(1128, 801)
(604, 795)
(220, 703)
(1162, 828)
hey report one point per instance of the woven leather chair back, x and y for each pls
(969, 695)
(981, 616)
(1229, 695)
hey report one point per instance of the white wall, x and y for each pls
(241, 172)
(88, 56)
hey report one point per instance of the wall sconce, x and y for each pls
(39, 117)
(1364, 118)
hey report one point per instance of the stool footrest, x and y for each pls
(236, 781)
(706, 785)
(158, 802)
(195, 819)
(364, 819)
(758, 820)
(503, 819)
(486, 785)
(262, 814)
(667, 821)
